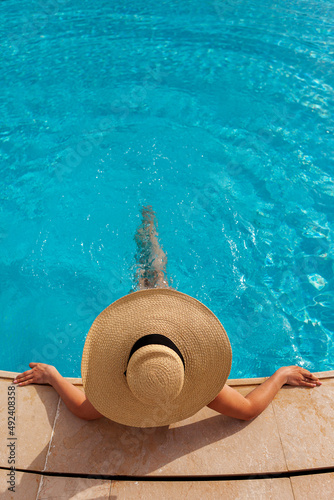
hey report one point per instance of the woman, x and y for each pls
(151, 274)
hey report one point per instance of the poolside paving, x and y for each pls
(295, 433)
(305, 419)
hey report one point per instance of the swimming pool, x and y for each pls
(220, 115)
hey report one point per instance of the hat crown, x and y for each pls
(155, 374)
(200, 342)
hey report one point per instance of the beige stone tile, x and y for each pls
(34, 418)
(306, 425)
(328, 374)
(319, 486)
(72, 488)
(256, 489)
(6, 374)
(205, 444)
(26, 486)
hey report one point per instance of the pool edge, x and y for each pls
(233, 381)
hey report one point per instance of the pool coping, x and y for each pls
(273, 453)
(232, 382)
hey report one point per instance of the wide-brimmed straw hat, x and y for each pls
(154, 357)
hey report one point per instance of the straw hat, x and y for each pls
(154, 357)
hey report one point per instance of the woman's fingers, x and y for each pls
(308, 384)
(39, 374)
(28, 376)
(312, 378)
(24, 378)
(308, 375)
(21, 376)
(302, 377)
(26, 382)
(309, 380)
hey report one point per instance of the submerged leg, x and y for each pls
(151, 260)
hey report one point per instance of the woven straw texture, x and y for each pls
(155, 374)
(195, 330)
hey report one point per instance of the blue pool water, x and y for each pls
(220, 115)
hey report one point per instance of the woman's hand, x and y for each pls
(296, 375)
(40, 373)
(73, 397)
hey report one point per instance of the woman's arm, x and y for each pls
(73, 397)
(231, 403)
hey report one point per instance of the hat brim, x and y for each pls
(195, 330)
